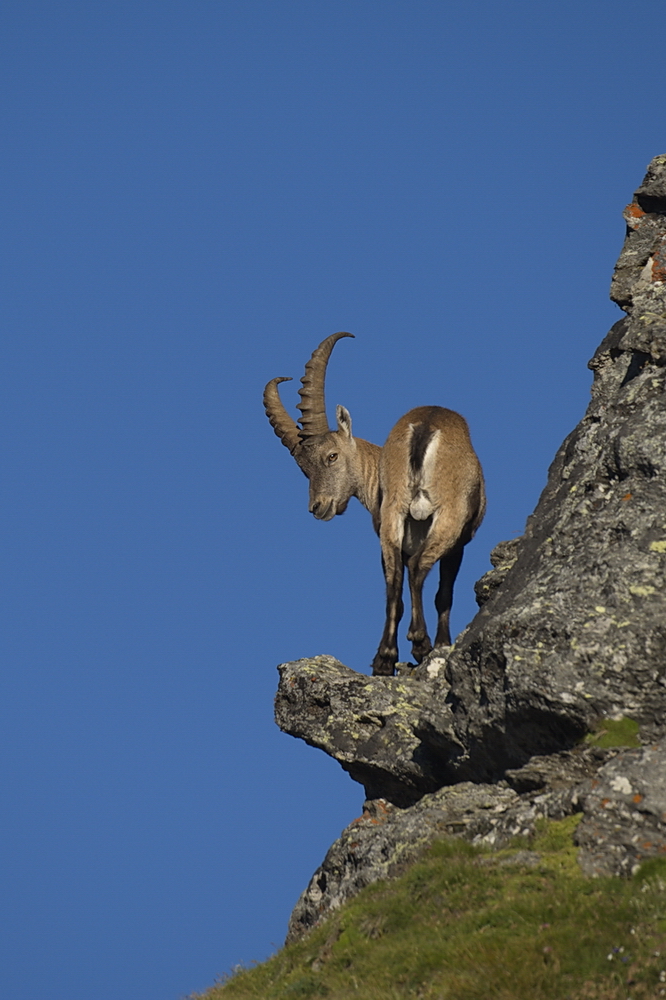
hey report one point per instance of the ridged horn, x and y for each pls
(283, 425)
(313, 403)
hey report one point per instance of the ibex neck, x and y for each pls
(367, 479)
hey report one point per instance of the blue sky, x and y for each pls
(193, 196)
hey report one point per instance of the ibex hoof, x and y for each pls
(421, 649)
(383, 667)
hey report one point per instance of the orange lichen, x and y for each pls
(372, 815)
(633, 214)
(638, 797)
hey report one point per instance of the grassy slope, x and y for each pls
(462, 925)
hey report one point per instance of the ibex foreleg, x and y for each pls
(386, 657)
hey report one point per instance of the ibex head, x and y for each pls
(325, 456)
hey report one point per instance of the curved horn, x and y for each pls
(285, 428)
(313, 405)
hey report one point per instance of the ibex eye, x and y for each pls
(333, 457)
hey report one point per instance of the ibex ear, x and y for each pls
(344, 421)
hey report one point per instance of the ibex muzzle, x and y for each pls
(424, 490)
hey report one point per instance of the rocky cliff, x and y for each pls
(570, 639)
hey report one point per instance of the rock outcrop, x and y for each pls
(394, 735)
(571, 631)
(385, 839)
(624, 813)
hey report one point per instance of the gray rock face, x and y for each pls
(624, 807)
(502, 558)
(385, 839)
(393, 734)
(571, 630)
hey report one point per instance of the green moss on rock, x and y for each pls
(614, 733)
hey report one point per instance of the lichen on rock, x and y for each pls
(393, 734)
(624, 807)
(576, 628)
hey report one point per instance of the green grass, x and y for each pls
(461, 925)
(614, 733)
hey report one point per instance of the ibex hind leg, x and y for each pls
(418, 630)
(449, 565)
(421, 646)
(442, 538)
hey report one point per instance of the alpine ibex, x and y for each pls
(424, 490)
